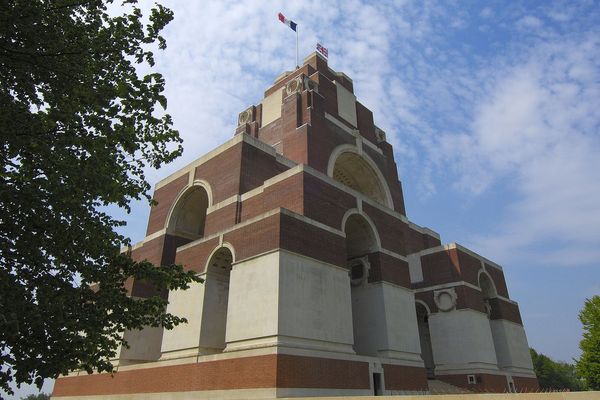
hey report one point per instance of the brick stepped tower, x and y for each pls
(316, 281)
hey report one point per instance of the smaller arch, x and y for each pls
(486, 284)
(361, 233)
(353, 211)
(188, 212)
(224, 245)
(425, 306)
(359, 172)
(423, 312)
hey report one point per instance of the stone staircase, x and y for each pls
(439, 387)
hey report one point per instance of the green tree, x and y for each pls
(588, 365)
(553, 375)
(40, 396)
(78, 125)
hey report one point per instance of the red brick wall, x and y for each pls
(504, 310)
(467, 297)
(469, 267)
(325, 203)
(310, 372)
(284, 194)
(164, 196)
(364, 120)
(427, 298)
(389, 269)
(195, 258)
(257, 167)
(400, 377)
(395, 235)
(255, 238)
(526, 384)
(302, 238)
(440, 267)
(237, 373)
(151, 250)
(294, 146)
(498, 278)
(268, 371)
(222, 172)
(218, 220)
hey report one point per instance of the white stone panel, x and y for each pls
(401, 320)
(368, 320)
(346, 104)
(512, 349)
(214, 314)
(187, 304)
(271, 107)
(462, 338)
(414, 268)
(144, 345)
(253, 299)
(314, 300)
(385, 321)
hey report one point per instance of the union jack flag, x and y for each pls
(322, 50)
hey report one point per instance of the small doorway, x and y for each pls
(377, 389)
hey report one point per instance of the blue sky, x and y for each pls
(492, 109)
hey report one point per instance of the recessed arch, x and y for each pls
(220, 252)
(188, 213)
(423, 313)
(359, 172)
(361, 234)
(486, 284)
(216, 299)
(425, 306)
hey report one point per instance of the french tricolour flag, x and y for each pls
(288, 22)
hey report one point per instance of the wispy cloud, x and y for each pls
(511, 106)
(539, 129)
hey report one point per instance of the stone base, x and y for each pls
(261, 376)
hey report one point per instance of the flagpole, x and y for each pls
(297, 65)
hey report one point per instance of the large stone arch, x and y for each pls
(187, 215)
(358, 171)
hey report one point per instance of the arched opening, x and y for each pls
(189, 213)
(361, 240)
(216, 296)
(355, 172)
(488, 291)
(425, 339)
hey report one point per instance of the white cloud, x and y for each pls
(530, 22)
(525, 116)
(539, 129)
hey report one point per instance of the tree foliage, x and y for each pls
(39, 396)
(78, 125)
(588, 365)
(553, 375)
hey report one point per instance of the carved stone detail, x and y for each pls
(245, 116)
(445, 299)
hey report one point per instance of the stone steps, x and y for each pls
(440, 387)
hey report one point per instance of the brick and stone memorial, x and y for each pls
(316, 281)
